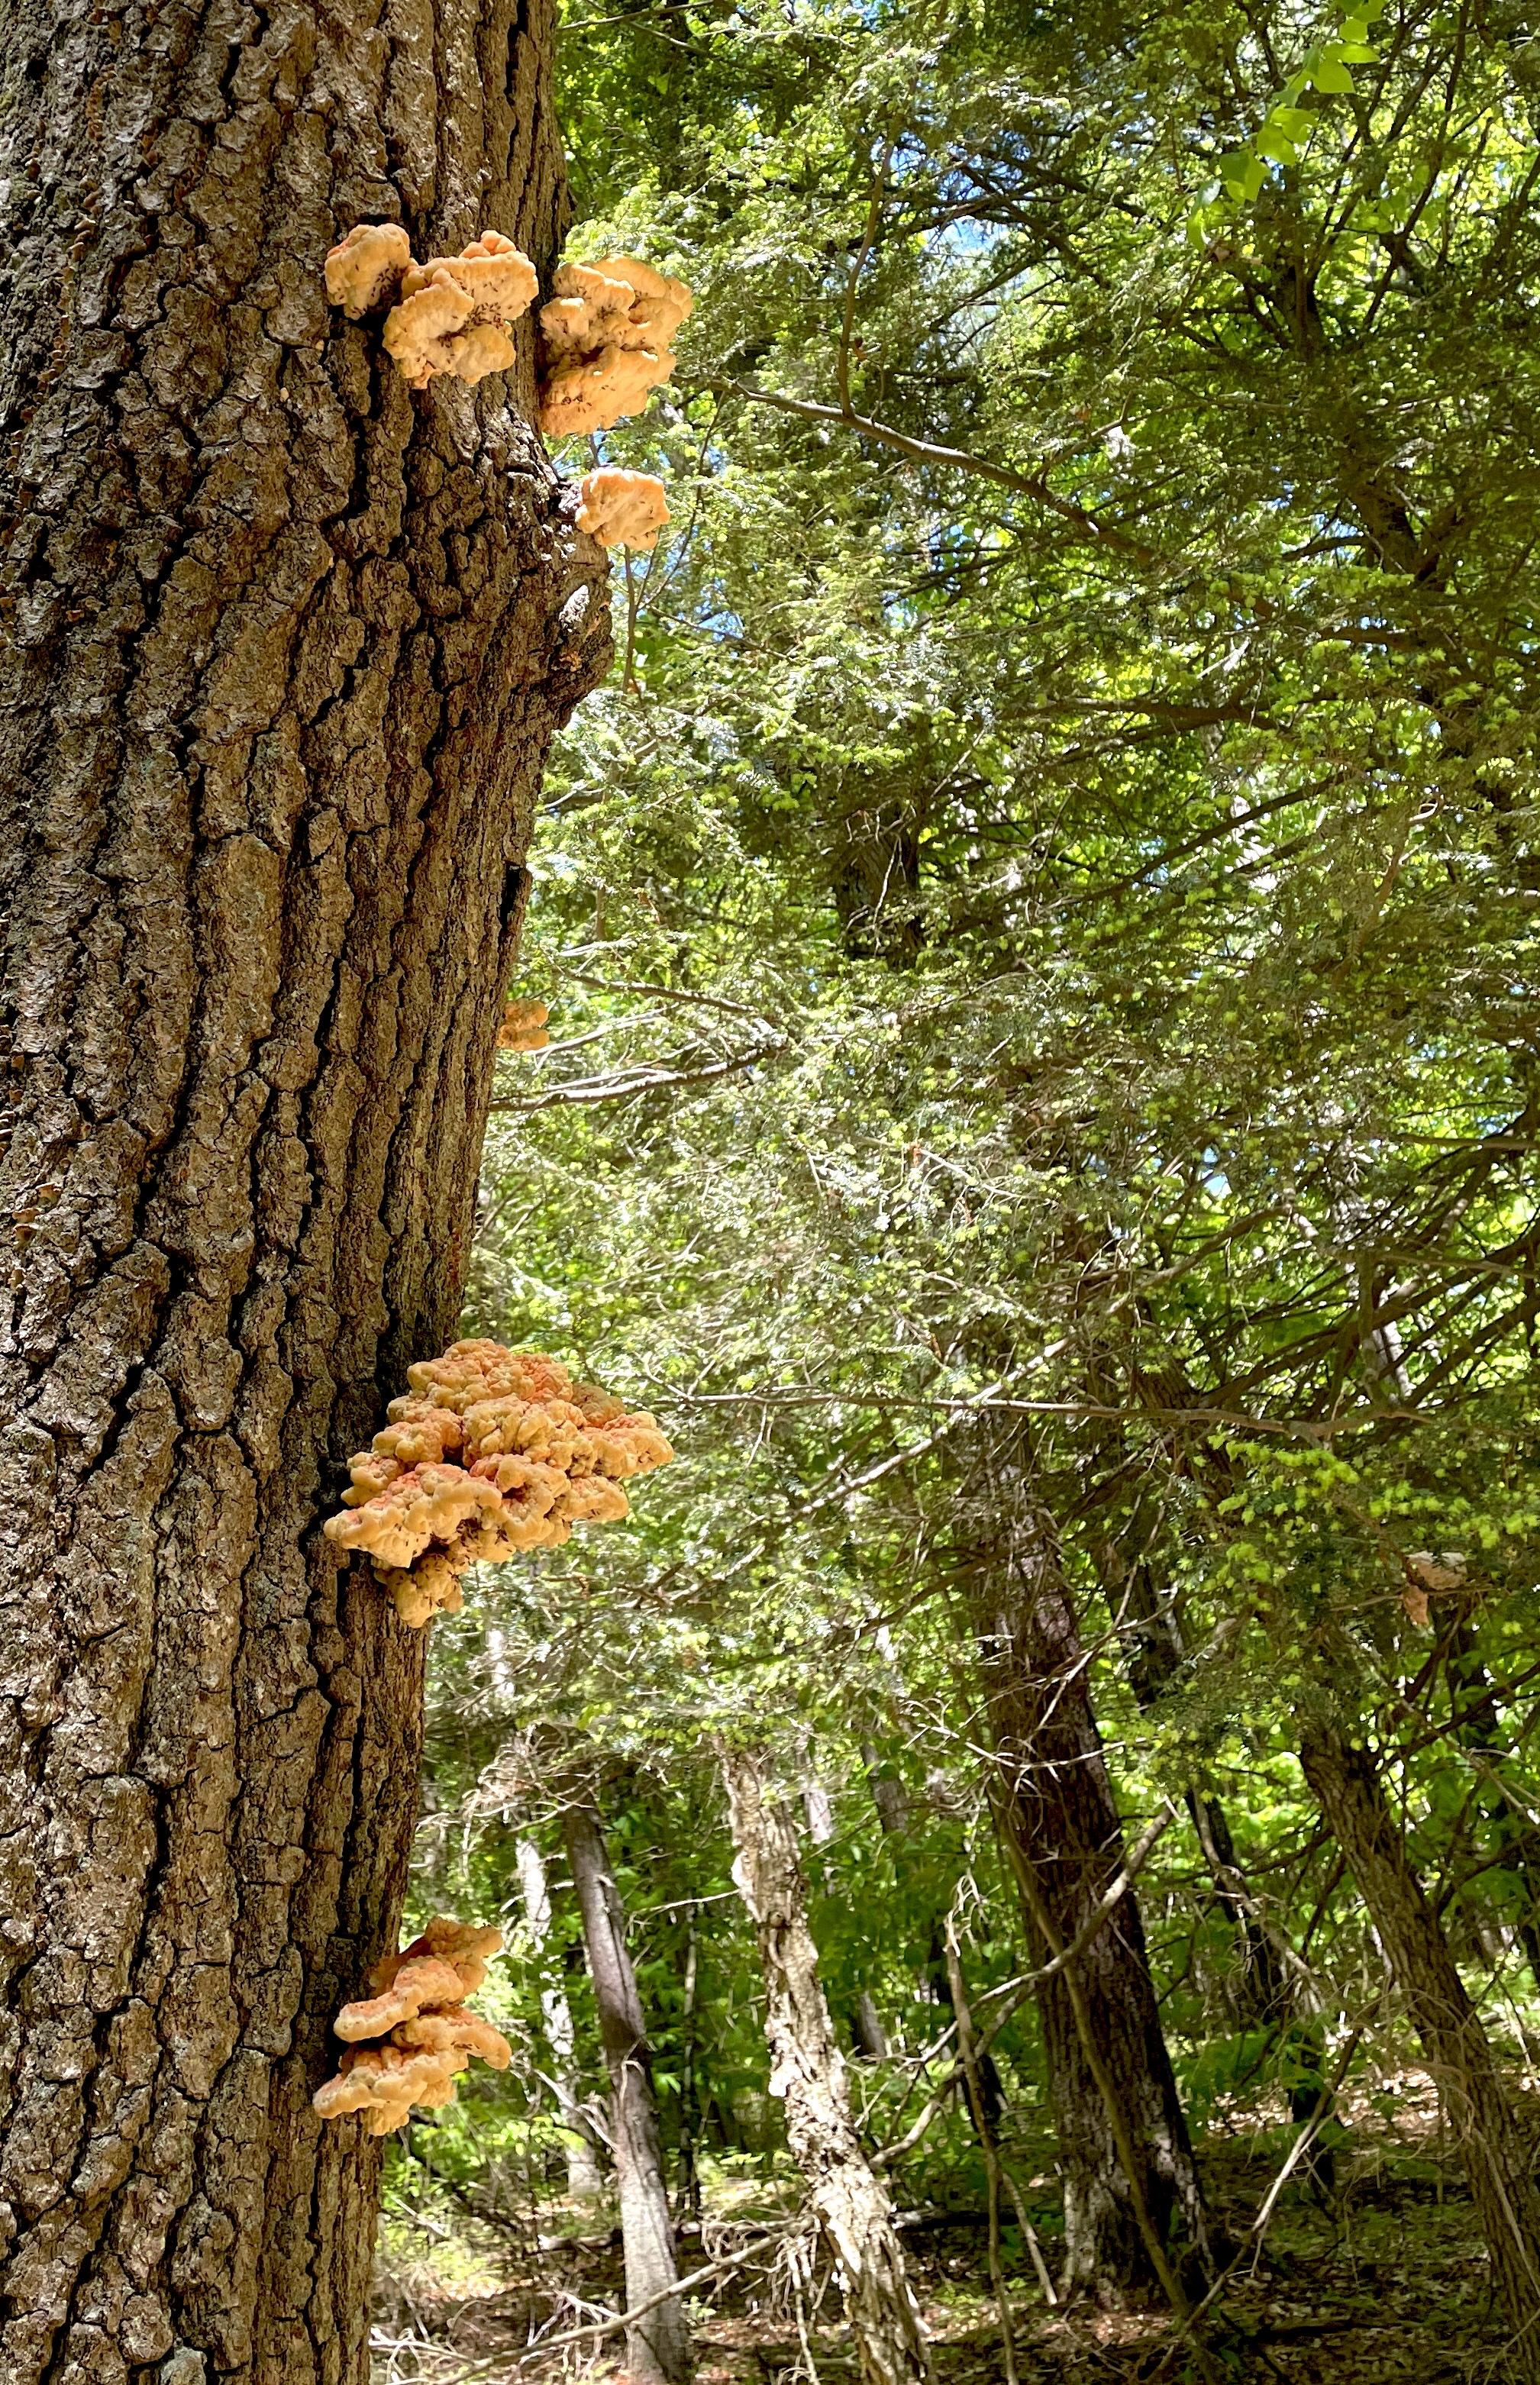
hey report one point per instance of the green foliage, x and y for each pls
(1054, 930)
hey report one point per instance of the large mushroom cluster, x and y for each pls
(490, 1452)
(605, 341)
(453, 315)
(425, 2033)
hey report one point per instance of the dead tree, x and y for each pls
(807, 2072)
(658, 2347)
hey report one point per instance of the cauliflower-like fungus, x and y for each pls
(606, 340)
(495, 275)
(419, 2000)
(423, 1980)
(419, 1505)
(622, 508)
(364, 271)
(533, 1453)
(454, 311)
(451, 316)
(523, 1027)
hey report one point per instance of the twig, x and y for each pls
(1258, 2229)
(587, 1091)
(619, 2321)
(925, 450)
(1133, 1864)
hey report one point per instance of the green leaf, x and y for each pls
(1331, 75)
(1243, 172)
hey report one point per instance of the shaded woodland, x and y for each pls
(1021, 1858)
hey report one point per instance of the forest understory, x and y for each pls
(769, 1111)
(1380, 2279)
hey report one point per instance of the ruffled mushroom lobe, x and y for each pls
(426, 2034)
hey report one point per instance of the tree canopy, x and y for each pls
(1040, 930)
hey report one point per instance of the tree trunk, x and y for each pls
(584, 2181)
(658, 2347)
(808, 2071)
(1061, 1827)
(1344, 1779)
(285, 646)
(691, 2119)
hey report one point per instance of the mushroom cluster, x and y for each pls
(523, 1027)
(453, 315)
(426, 2034)
(622, 508)
(490, 1452)
(605, 341)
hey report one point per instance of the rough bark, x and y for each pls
(1503, 2189)
(1062, 1828)
(281, 649)
(658, 2347)
(584, 2180)
(807, 2072)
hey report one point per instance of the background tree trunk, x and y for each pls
(658, 2347)
(1062, 1828)
(1155, 1657)
(808, 2071)
(1502, 2181)
(284, 645)
(584, 2180)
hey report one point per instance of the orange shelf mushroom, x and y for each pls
(453, 315)
(622, 508)
(426, 2035)
(606, 341)
(523, 1027)
(490, 1452)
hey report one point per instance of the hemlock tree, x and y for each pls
(284, 648)
(1133, 2203)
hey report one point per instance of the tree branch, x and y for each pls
(925, 450)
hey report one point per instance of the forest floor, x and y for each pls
(1387, 2283)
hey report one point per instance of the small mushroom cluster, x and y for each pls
(622, 508)
(523, 1027)
(605, 341)
(490, 1452)
(453, 315)
(426, 2033)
